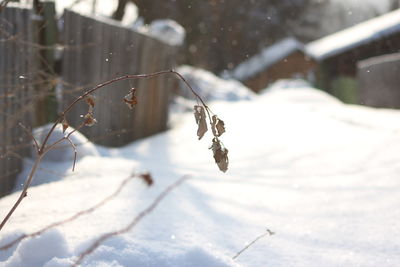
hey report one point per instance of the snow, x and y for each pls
(359, 34)
(320, 174)
(24, 255)
(378, 60)
(101, 9)
(168, 31)
(381, 6)
(211, 87)
(267, 57)
(165, 30)
(63, 151)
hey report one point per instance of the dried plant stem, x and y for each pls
(72, 218)
(133, 223)
(4, 4)
(67, 138)
(268, 232)
(121, 78)
(24, 191)
(43, 149)
(30, 135)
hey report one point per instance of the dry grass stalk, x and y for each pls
(268, 232)
(220, 152)
(132, 224)
(74, 217)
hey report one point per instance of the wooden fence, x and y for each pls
(16, 91)
(94, 51)
(378, 81)
(98, 50)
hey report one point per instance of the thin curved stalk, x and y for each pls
(42, 150)
(24, 192)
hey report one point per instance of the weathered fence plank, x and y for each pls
(378, 81)
(95, 51)
(46, 33)
(16, 78)
(102, 50)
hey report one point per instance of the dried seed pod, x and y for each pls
(130, 99)
(65, 125)
(89, 120)
(220, 154)
(218, 126)
(200, 117)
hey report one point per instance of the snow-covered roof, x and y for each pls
(359, 34)
(267, 57)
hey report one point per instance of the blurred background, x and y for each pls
(52, 51)
(220, 34)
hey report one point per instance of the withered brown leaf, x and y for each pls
(89, 99)
(200, 117)
(147, 178)
(65, 125)
(220, 154)
(89, 120)
(130, 99)
(218, 126)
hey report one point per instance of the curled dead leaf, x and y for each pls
(90, 100)
(147, 178)
(220, 154)
(89, 120)
(65, 125)
(130, 99)
(218, 126)
(200, 117)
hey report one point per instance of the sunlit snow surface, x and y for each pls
(322, 175)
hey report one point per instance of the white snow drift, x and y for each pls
(321, 174)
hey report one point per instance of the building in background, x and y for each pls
(284, 59)
(330, 62)
(337, 54)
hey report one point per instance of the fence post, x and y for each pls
(46, 26)
(16, 78)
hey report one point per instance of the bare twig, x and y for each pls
(268, 232)
(133, 223)
(3, 4)
(75, 152)
(24, 191)
(43, 149)
(72, 218)
(30, 135)
(121, 78)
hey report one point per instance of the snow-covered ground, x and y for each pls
(322, 175)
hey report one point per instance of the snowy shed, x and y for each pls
(337, 54)
(378, 80)
(284, 59)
